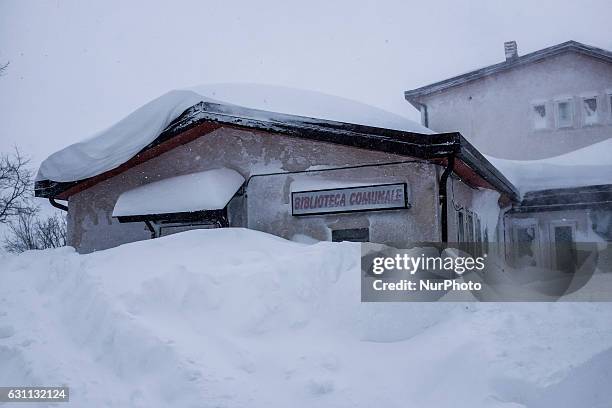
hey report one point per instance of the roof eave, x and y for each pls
(204, 117)
(413, 96)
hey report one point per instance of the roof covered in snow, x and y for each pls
(181, 116)
(591, 165)
(114, 146)
(570, 46)
(209, 190)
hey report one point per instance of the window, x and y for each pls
(565, 114)
(525, 243)
(353, 234)
(460, 227)
(539, 116)
(589, 110)
(478, 238)
(564, 250)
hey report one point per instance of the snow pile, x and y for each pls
(591, 165)
(208, 190)
(114, 146)
(235, 318)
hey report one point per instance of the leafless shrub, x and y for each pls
(15, 186)
(29, 231)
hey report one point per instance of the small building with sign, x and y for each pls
(331, 170)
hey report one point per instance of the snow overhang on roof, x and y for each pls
(203, 191)
(413, 95)
(588, 166)
(94, 160)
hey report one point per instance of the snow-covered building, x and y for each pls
(544, 120)
(542, 104)
(300, 165)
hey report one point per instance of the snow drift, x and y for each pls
(114, 146)
(235, 318)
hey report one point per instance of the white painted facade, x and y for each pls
(532, 111)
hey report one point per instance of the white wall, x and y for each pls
(495, 113)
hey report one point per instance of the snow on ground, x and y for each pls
(591, 165)
(114, 146)
(238, 318)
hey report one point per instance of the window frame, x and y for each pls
(583, 98)
(570, 101)
(460, 221)
(522, 223)
(573, 225)
(351, 234)
(533, 113)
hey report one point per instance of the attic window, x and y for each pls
(589, 109)
(539, 116)
(565, 114)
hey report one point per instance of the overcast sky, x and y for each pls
(78, 66)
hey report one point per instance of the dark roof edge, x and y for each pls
(473, 158)
(569, 198)
(568, 46)
(428, 147)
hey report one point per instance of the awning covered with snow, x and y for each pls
(204, 191)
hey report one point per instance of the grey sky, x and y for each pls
(79, 66)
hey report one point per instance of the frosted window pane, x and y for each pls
(590, 110)
(539, 116)
(564, 112)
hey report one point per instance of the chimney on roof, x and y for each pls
(511, 50)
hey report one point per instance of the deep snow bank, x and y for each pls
(233, 318)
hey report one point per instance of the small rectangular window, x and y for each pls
(565, 114)
(539, 116)
(589, 111)
(469, 227)
(460, 227)
(352, 234)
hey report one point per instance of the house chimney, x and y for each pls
(511, 50)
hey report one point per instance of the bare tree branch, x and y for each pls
(27, 231)
(15, 186)
(3, 68)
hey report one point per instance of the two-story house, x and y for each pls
(533, 106)
(553, 102)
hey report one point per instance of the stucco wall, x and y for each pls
(269, 202)
(91, 226)
(495, 113)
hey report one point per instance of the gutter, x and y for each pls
(442, 193)
(58, 205)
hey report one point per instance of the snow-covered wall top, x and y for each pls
(207, 190)
(114, 146)
(591, 165)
